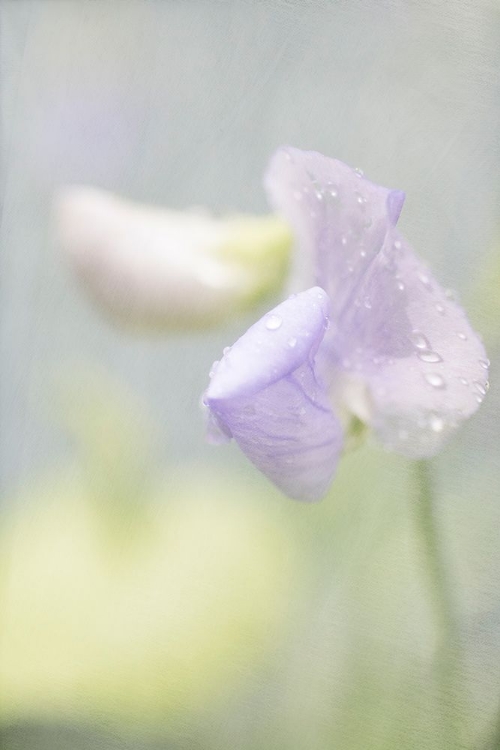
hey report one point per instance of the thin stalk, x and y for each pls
(448, 661)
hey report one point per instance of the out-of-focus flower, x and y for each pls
(378, 342)
(152, 268)
(129, 602)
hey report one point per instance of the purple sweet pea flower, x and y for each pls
(377, 341)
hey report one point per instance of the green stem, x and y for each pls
(449, 669)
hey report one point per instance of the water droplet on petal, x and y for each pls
(419, 340)
(484, 363)
(440, 308)
(436, 423)
(424, 279)
(226, 350)
(464, 381)
(426, 355)
(401, 286)
(292, 343)
(273, 322)
(367, 303)
(359, 172)
(319, 194)
(213, 369)
(435, 380)
(480, 388)
(397, 245)
(343, 240)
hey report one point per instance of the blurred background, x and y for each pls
(155, 591)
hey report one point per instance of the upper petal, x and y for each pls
(339, 218)
(266, 394)
(425, 366)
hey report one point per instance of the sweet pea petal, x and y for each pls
(425, 366)
(266, 394)
(339, 218)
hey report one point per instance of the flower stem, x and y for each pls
(447, 663)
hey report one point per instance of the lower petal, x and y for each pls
(266, 394)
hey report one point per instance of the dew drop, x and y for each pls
(436, 423)
(435, 380)
(226, 350)
(343, 240)
(485, 363)
(359, 172)
(319, 194)
(362, 253)
(462, 336)
(401, 286)
(426, 355)
(292, 343)
(397, 245)
(440, 308)
(425, 280)
(480, 388)
(213, 369)
(464, 381)
(367, 303)
(273, 322)
(479, 398)
(419, 340)
(334, 193)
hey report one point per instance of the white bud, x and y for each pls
(152, 268)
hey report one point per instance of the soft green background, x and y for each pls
(181, 103)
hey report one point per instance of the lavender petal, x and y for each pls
(266, 394)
